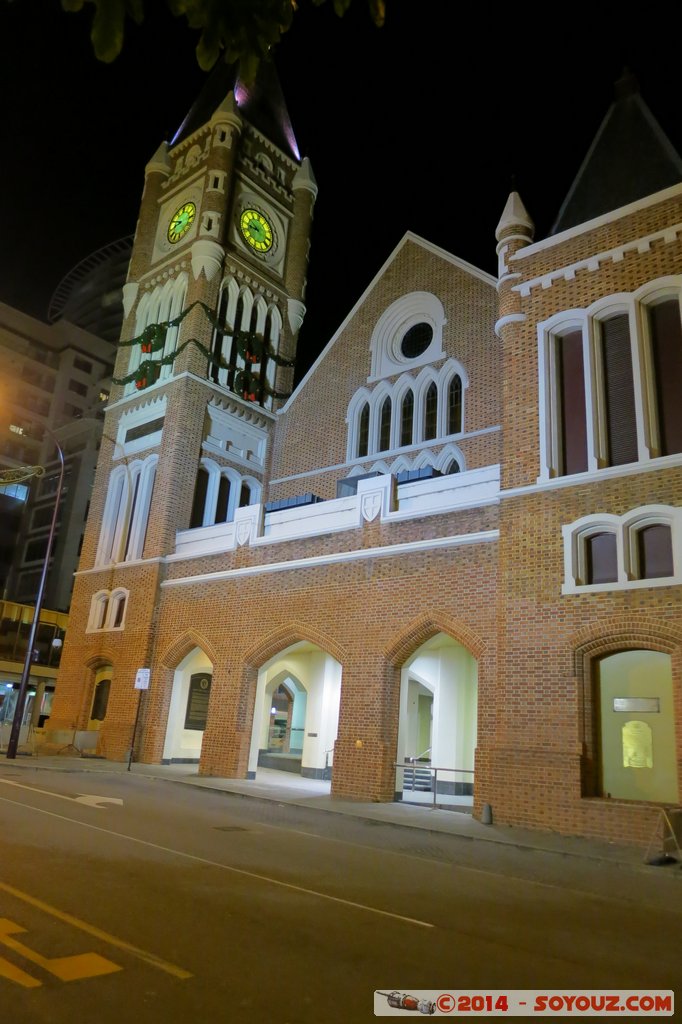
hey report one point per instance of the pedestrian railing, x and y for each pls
(412, 777)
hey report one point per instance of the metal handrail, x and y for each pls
(419, 756)
(431, 768)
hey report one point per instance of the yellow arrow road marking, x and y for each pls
(66, 968)
(97, 933)
(12, 973)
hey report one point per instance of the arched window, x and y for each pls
(453, 466)
(385, 425)
(455, 405)
(665, 332)
(118, 608)
(654, 552)
(199, 503)
(431, 413)
(363, 432)
(601, 558)
(100, 611)
(619, 390)
(245, 495)
(221, 344)
(223, 503)
(407, 419)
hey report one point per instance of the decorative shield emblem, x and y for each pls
(243, 531)
(371, 505)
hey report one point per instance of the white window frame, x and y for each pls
(625, 528)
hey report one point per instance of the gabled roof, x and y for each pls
(630, 158)
(261, 104)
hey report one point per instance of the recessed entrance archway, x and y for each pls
(188, 709)
(296, 712)
(438, 723)
(634, 698)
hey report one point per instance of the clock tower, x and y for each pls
(213, 304)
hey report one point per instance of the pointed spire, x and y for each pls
(304, 178)
(160, 161)
(630, 158)
(227, 111)
(515, 219)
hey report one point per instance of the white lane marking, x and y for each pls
(224, 867)
(89, 801)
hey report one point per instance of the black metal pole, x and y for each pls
(132, 742)
(23, 686)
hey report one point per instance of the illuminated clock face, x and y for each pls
(256, 230)
(181, 222)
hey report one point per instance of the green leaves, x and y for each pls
(242, 31)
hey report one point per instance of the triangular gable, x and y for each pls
(409, 236)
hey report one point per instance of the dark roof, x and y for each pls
(630, 158)
(261, 104)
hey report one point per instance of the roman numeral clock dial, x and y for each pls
(181, 222)
(256, 230)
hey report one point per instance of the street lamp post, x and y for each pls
(23, 686)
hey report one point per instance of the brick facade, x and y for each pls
(475, 557)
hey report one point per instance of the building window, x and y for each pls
(416, 340)
(219, 491)
(619, 394)
(665, 332)
(385, 425)
(610, 377)
(199, 504)
(601, 558)
(407, 419)
(455, 405)
(654, 552)
(107, 610)
(363, 433)
(570, 384)
(126, 512)
(642, 548)
(431, 413)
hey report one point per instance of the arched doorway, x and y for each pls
(100, 697)
(296, 713)
(188, 709)
(636, 731)
(438, 723)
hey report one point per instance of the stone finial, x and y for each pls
(515, 219)
(304, 178)
(160, 161)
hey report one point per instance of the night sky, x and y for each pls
(423, 125)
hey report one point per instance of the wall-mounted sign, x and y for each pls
(197, 701)
(142, 679)
(638, 751)
(639, 704)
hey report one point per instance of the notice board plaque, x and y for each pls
(651, 704)
(197, 701)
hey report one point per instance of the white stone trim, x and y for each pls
(633, 304)
(510, 318)
(103, 610)
(390, 551)
(607, 218)
(126, 512)
(403, 314)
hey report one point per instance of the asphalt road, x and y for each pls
(159, 902)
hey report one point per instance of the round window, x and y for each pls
(416, 341)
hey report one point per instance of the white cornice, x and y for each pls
(597, 476)
(595, 261)
(388, 551)
(597, 222)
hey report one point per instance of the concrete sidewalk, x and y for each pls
(314, 795)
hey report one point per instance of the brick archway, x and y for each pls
(426, 626)
(596, 641)
(183, 645)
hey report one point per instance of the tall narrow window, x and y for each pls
(199, 504)
(431, 413)
(666, 344)
(455, 405)
(131, 518)
(223, 503)
(221, 343)
(571, 413)
(654, 551)
(619, 391)
(245, 496)
(363, 432)
(385, 425)
(119, 611)
(601, 558)
(406, 419)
